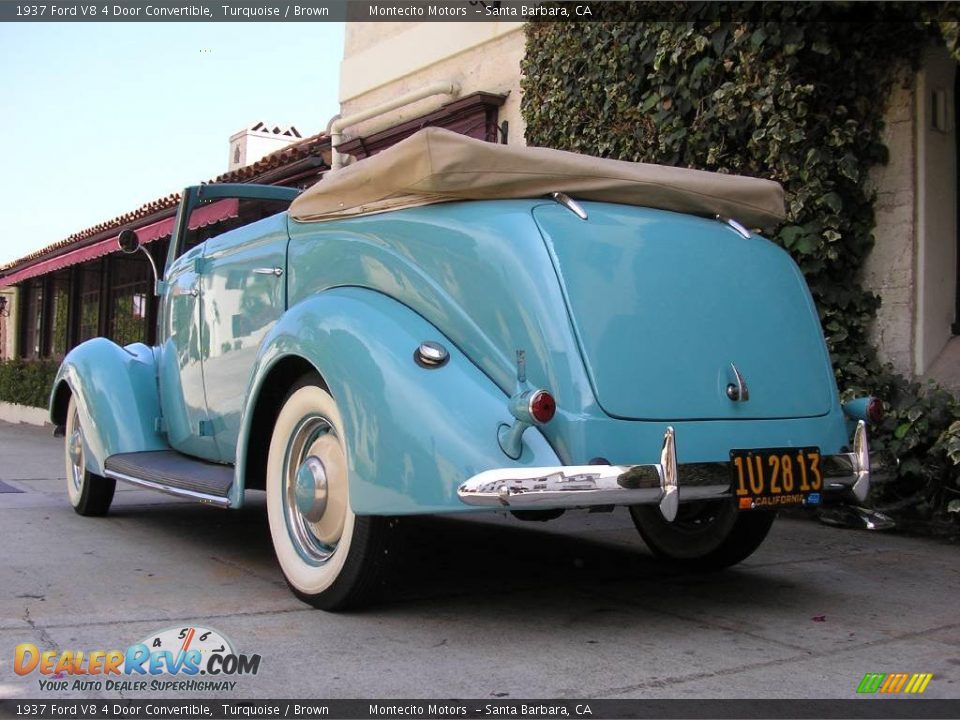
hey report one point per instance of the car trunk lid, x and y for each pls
(669, 309)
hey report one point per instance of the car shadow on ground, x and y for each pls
(454, 561)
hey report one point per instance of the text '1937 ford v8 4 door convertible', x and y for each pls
(453, 325)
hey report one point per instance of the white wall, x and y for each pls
(253, 145)
(384, 60)
(9, 348)
(889, 270)
(913, 265)
(936, 208)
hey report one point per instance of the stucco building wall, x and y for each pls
(913, 265)
(384, 60)
(890, 267)
(8, 324)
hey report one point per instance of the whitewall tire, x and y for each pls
(89, 493)
(330, 558)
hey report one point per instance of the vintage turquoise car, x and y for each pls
(453, 325)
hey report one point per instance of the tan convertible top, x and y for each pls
(436, 165)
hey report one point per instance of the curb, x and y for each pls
(13, 413)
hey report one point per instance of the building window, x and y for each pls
(89, 301)
(128, 298)
(60, 309)
(32, 318)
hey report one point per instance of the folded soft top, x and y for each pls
(436, 165)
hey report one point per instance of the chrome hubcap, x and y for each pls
(75, 453)
(311, 489)
(315, 489)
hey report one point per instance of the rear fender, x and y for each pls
(116, 394)
(413, 434)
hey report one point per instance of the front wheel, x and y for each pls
(89, 493)
(707, 535)
(330, 557)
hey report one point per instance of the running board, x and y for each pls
(173, 473)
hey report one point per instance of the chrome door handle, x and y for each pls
(275, 271)
(194, 291)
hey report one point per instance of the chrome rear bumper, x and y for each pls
(666, 483)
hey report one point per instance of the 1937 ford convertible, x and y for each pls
(454, 325)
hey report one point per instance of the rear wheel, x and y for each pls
(89, 493)
(707, 535)
(330, 557)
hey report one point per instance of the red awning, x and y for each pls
(203, 216)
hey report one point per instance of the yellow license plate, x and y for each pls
(776, 477)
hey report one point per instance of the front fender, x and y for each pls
(116, 394)
(413, 434)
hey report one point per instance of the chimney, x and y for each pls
(257, 141)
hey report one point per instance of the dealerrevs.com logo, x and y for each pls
(182, 652)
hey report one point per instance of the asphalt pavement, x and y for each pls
(485, 607)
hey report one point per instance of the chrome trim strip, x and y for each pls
(570, 204)
(275, 271)
(223, 502)
(737, 227)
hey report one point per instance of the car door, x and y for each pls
(222, 289)
(243, 296)
(183, 337)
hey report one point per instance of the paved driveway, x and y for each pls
(486, 608)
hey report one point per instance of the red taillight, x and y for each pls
(542, 406)
(875, 412)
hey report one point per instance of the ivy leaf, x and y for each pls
(833, 201)
(821, 47)
(701, 67)
(718, 39)
(790, 234)
(901, 431)
(807, 244)
(650, 102)
(849, 167)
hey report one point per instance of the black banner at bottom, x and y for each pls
(507, 709)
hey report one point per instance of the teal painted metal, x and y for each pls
(479, 271)
(482, 273)
(184, 338)
(116, 393)
(413, 434)
(601, 308)
(665, 305)
(200, 325)
(242, 296)
(856, 409)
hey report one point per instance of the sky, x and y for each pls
(97, 119)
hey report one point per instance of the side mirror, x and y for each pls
(128, 241)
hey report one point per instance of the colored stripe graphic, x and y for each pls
(927, 677)
(893, 683)
(871, 682)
